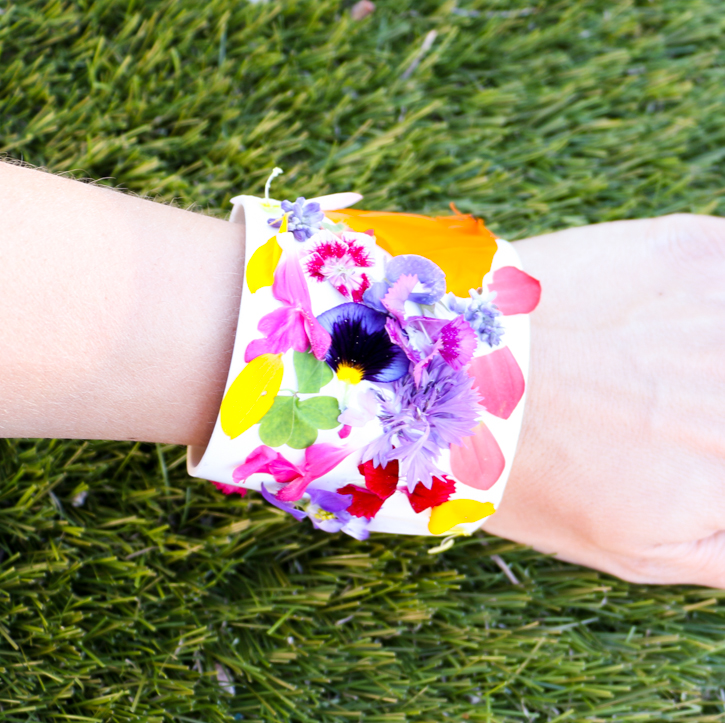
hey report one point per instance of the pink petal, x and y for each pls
(516, 291)
(319, 460)
(398, 293)
(320, 339)
(337, 201)
(322, 458)
(499, 381)
(229, 489)
(257, 461)
(289, 285)
(459, 342)
(344, 433)
(479, 462)
(284, 329)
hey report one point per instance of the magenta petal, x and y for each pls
(516, 291)
(320, 339)
(284, 329)
(294, 490)
(319, 460)
(344, 433)
(480, 461)
(499, 381)
(289, 284)
(230, 489)
(257, 461)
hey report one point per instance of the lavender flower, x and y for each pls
(326, 510)
(304, 218)
(419, 421)
(482, 314)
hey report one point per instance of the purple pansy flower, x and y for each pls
(419, 421)
(303, 220)
(326, 510)
(482, 314)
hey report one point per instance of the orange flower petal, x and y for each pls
(461, 245)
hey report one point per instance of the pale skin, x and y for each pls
(118, 323)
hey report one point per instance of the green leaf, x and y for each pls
(312, 374)
(319, 412)
(303, 435)
(277, 424)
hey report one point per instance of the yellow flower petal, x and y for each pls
(260, 269)
(454, 512)
(461, 244)
(251, 394)
(285, 221)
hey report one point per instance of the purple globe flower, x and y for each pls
(303, 220)
(482, 314)
(419, 421)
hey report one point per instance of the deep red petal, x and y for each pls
(499, 381)
(381, 481)
(516, 291)
(421, 498)
(364, 503)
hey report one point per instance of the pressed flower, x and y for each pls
(304, 218)
(482, 314)
(293, 326)
(423, 498)
(380, 483)
(360, 347)
(319, 460)
(340, 261)
(326, 510)
(460, 245)
(516, 291)
(421, 420)
(428, 287)
(229, 489)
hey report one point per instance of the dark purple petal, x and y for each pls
(360, 341)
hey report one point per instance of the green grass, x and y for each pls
(536, 116)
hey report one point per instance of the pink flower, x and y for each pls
(293, 326)
(319, 460)
(339, 261)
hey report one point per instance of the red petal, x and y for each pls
(479, 462)
(229, 489)
(421, 498)
(381, 481)
(516, 291)
(499, 381)
(364, 503)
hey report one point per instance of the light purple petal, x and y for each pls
(430, 276)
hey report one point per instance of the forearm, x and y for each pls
(118, 314)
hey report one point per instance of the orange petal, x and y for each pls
(454, 512)
(480, 461)
(461, 245)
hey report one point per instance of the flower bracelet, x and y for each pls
(378, 371)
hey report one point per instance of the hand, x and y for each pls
(621, 462)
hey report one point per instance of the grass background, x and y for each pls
(129, 592)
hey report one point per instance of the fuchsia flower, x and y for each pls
(293, 326)
(421, 337)
(319, 460)
(340, 261)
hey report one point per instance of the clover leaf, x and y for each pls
(295, 422)
(312, 374)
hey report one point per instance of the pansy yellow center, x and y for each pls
(349, 373)
(324, 515)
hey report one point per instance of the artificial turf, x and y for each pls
(129, 592)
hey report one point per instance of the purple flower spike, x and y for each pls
(430, 277)
(304, 218)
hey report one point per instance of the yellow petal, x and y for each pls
(461, 244)
(251, 394)
(285, 221)
(454, 512)
(260, 269)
